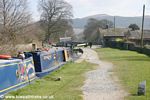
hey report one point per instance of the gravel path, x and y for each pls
(99, 84)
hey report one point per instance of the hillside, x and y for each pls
(121, 22)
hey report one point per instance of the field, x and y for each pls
(131, 69)
(69, 88)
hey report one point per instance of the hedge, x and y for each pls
(127, 46)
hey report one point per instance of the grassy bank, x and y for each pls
(131, 68)
(69, 88)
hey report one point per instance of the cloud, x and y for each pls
(82, 8)
(113, 7)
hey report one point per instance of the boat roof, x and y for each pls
(9, 61)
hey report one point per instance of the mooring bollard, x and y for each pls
(142, 88)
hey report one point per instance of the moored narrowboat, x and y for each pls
(15, 73)
(48, 61)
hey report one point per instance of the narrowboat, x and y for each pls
(15, 73)
(48, 61)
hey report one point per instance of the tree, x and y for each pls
(55, 14)
(93, 25)
(90, 27)
(63, 28)
(134, 27)
(13, 17)
(105, 24)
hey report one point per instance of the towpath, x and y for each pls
(99, 84)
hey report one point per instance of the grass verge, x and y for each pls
(69, 88)
(131, 68)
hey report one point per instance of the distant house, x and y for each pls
(130, 36)
(112, 36)
(135, 36)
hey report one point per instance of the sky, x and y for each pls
(83, 8)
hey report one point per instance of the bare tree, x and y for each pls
(14, 16)
(63, 28)
(90, 30)
(53, 13)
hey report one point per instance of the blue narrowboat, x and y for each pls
(48, 61)
(15, 73)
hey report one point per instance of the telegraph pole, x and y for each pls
(114, 24)
(142, 33)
